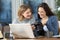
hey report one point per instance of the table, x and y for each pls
(40, 39)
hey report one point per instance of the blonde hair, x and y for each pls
(21, 10)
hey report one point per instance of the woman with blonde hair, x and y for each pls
(24, 15)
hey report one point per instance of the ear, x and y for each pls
(22, 14)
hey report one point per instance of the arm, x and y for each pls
(52, 25)
(55, 25)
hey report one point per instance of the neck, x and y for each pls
(45, 17)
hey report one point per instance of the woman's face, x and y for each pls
(27, 14)
(41, 12)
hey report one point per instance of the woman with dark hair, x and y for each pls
(48, 19)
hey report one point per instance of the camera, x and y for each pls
(39, 28)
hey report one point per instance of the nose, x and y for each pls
(40, 12)
(30, 13)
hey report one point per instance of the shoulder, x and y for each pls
(32, 19)
(53, 17)
(15, 21)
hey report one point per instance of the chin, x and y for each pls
(41, 17)
(29, 18)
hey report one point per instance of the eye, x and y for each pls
(27, 13)
(41, 11)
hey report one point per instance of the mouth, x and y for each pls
(29, 16)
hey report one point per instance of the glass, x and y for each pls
(49, 34)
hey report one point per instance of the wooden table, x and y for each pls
(40, 39)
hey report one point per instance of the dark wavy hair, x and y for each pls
(46, 8)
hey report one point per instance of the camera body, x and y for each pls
(39, 28)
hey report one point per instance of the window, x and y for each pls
(5, 12)
(15, 6)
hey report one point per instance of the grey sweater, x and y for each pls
(31, 21)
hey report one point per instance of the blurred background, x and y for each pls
(5, 11)
(9, 9)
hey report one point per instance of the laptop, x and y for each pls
(24, 30)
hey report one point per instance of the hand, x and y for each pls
(33, 27)
(43, 22)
